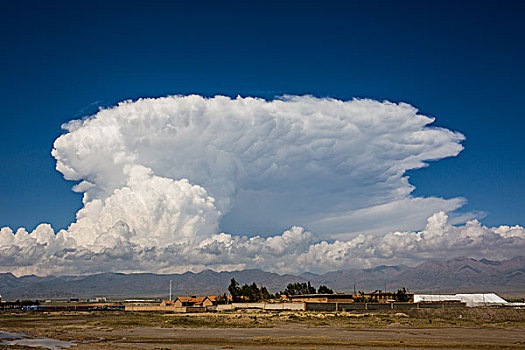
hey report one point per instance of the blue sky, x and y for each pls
(459, 62)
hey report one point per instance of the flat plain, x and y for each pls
(476, 328)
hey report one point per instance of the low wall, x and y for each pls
(285, 306)
(327, 307)
(444, 305)
(248, 305)
(378, 306)
(184, 309)
(262, 306)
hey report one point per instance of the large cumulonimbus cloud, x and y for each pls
(163, 177)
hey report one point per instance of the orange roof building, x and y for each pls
(199, 301)
(189, 301)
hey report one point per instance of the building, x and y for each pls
(97, 300)
(375, 297)
(472, 300)
(192, 300)
(386, 297)
(321, 298)
(213, 300)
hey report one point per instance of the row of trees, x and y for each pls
(305, 288)
(251, 292)
(248, 292)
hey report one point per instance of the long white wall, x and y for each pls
(262, 306)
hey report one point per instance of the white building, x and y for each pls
(472, 300)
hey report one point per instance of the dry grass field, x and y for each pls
(477, 328)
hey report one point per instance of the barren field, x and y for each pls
(480, 328)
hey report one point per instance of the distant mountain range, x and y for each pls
(456, 275)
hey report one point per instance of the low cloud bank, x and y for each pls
(163, 177)
(295, 250)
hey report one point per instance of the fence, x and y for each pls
(379, 306)
(328, 307)
(184, 309)
(262, 306)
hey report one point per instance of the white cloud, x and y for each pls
(160, 177)
(405, 214)
(296, 250)
(158, 211)
(438, 240)
(269, 165)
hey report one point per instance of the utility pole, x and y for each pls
(170, 290)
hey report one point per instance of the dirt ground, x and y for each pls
(417, 329)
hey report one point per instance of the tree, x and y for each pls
(324, 290)
(222, 299)
(248, 292)
(265, 295)
(402, 295)
(310, 289)
(299, 289)
(234, 289)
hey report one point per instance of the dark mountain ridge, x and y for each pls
(456, 275)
